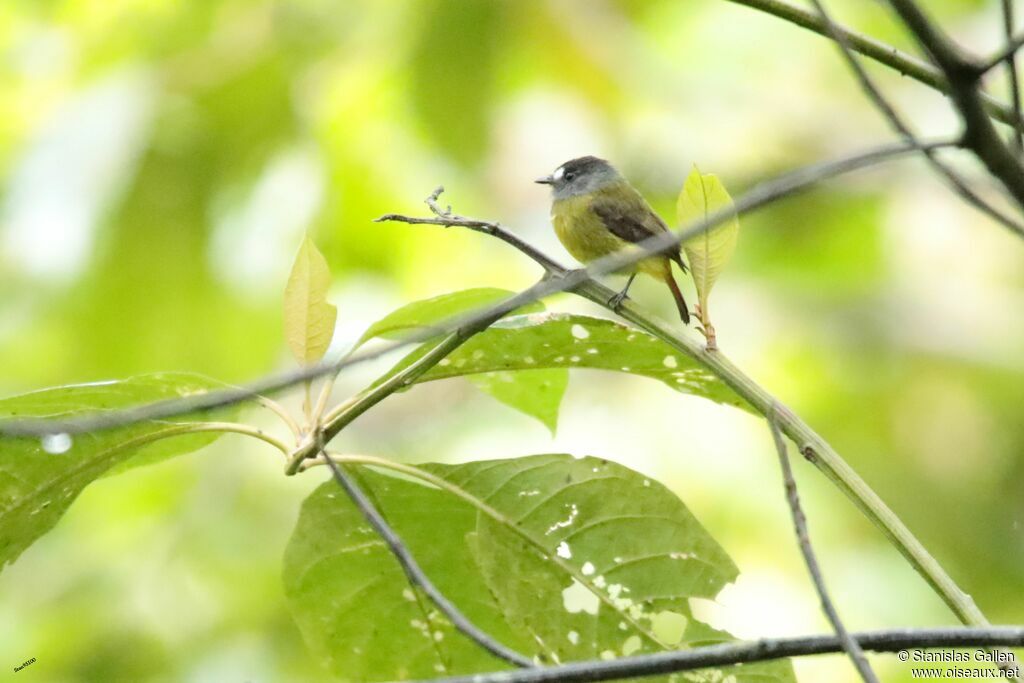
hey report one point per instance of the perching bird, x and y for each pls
(597, 212)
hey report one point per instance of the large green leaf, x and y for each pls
(557, 557)
(702, 195)
(351, 599)
(559, 340)
(308, 318)
(39, 479)
(537, 394)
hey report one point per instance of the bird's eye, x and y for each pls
(569, 175)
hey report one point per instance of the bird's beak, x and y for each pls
(545, 180)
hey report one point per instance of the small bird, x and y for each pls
(597, 212)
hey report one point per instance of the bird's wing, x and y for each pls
(631, 219)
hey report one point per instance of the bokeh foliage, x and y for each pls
(160, 161)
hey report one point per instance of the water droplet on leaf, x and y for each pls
(55, 444)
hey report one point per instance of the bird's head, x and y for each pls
(580, 176)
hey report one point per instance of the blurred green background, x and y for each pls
(160, 161)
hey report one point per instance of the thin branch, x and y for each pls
(878, 51)
(1010, 58)
(953, 179)
(770, 191)
(279, 410)
(661, 663)
(964, 75)
(1013, 43)
(413, 571)
(850, 645)
(236, 428)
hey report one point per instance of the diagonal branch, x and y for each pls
(414, 572)
(1009, 56)
(1013, 43)
(885, 54)
(964, 74)
(907, 641)
(852, 648)
(956, 183)
(764, 194)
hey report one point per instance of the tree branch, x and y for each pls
(1009, 56)
(1013, 43)
(895, 640)
(964, 75)
(953, 179)
(850, 645)
(413, 571)
(878, 51)
(776, 189)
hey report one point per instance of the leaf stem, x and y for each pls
(279, 410)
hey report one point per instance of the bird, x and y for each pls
(596, 212)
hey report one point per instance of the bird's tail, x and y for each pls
(684, 312)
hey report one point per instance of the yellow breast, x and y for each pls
(585, 237)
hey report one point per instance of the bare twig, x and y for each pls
(1013, 43)
(895, 640)
(953, 179)
(1010, 58)
(964, 74)
(414, 572)
(905, 64)
(770, 191)
(850, 645)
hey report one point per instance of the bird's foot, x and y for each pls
(615, 302)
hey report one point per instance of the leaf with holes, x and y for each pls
(308, 318)
(352, 602)
(40, 479)
(559, 340)
(559, 558)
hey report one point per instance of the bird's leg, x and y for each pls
(617, 299)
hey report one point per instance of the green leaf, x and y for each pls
(40, 479)
(567, 559)
(308, 318)
(537, 394)
(352, 602)
(707, 254)
(427, 312)
(559, 340)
